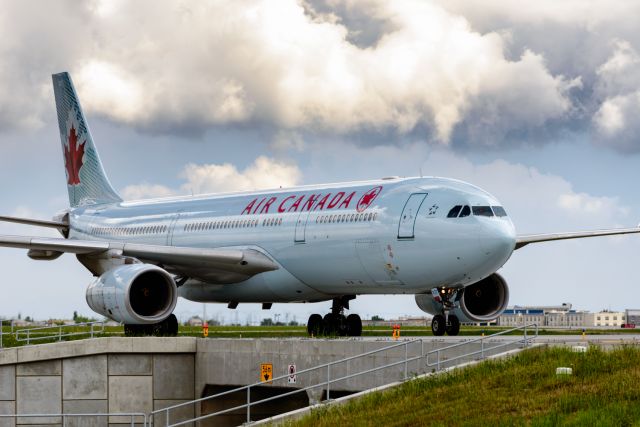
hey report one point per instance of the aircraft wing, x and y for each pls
(219, 265)
(526, 239)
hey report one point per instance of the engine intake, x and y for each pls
(485, 300)
(134, 294)
(482, 301)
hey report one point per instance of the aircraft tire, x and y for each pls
(330, 324)
(354, 325)
(171, 325)
(314, 325)
(438, 325)
(453, 327)
(133, 330)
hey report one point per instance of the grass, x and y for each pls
(522, 390)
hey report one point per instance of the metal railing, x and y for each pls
(131, 415)
(404, 361)
(56, 332)
(483, 349)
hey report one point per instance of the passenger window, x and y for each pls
(453, 213)
(466, 211)
(482, 211)
(499, 211)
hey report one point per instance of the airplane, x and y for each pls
(442, 240)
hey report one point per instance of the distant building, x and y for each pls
(633, 316)
(607, 318)
(195, 321)
(559, 316)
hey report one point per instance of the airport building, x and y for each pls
(563, 316)
(559, 316)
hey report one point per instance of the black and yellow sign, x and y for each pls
(266, 372)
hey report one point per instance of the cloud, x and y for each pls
(407, 66)
(263, 173)
(145, 191)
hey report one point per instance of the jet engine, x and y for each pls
(482, 301)
(135, 294)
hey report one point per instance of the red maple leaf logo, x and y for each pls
(73, 154)
(368, 198)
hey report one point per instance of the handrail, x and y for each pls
(59, 335)
(314, 368)
(329, 380)
(525, 340)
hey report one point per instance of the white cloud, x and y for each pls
(275, 63)
(146, 191)
(263, 173)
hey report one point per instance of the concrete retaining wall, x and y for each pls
(95, 376)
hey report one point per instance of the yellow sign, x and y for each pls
(205, 329)
(266, 372)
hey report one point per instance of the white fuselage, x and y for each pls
(375, 237)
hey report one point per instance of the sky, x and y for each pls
(535, 103)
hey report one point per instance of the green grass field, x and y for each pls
(522, 390)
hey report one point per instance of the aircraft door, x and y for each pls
(301, 226)
(171, 228)
(409, 215)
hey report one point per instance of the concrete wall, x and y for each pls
(108, 375)
(96, 376)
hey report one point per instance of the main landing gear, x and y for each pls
(167, 328)
(441, 324)
(336, 323)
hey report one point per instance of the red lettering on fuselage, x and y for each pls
(309, 203)
(322, 202)
(336, 199)
(281, 208)
(249, 206)
(265, 208)
(259, 204)
(345, 202)
(294, 207)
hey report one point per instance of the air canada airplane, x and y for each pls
(439, 239)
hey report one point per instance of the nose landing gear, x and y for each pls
(441, 325)
(336, 323)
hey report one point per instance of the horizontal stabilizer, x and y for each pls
(36, 222)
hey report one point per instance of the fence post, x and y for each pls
(166, 418)
(248, 404)
(1, 325)
(329, 382)
(406, 357)
(59, 332)
(438, 360)
(482, 348)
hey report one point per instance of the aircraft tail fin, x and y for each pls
(87, 182)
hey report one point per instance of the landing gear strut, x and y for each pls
(167, 328)
(336, 323)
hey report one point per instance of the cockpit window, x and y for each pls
(453, 213)
(482, 211)
(499, 211)
(465, 211)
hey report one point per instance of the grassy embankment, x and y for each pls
(522, 390)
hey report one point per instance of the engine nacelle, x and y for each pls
(482, 301)
(135, 294)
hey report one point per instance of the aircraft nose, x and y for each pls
(498, 240)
